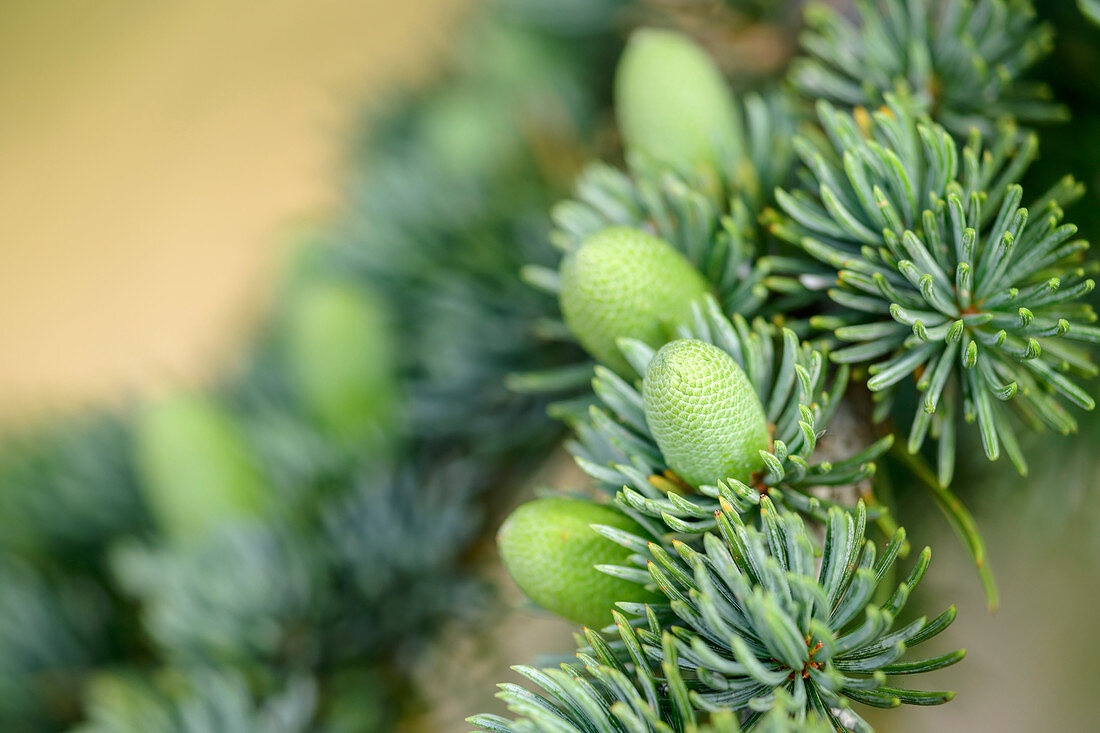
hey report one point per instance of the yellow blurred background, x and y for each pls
(151, 153)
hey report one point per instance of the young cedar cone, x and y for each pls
(704, 413)
(195, 466)
(551, 551)
(673, 103)
(340, 358)
(625, 283)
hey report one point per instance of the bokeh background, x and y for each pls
(155, 159)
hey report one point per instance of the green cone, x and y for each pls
(704, 413)
(195, 466)
(673, 103)
(550, 551)
(340, 357)
(625, 283)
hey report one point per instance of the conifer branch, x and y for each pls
(943, 280)
(615, 446)
(752, 626)
(962, 60)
